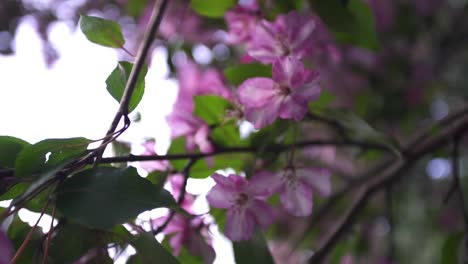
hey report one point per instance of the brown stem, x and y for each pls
(49, 235)
(154, 23)
(28, 237)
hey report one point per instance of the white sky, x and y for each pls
(71, 100)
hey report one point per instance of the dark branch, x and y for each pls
(154, 23)
(390, 173)
(181, 198)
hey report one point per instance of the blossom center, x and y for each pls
(289, 177)
(242, 199)
(284, 90)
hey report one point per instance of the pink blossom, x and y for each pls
(289, 34)
(241, 22)
(296, 186)
(286, 95)
(183, 123)
(6, 249)
(194, 81)
(191, 233)
(245, 204)
(149, 166)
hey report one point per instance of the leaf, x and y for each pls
(38, 183)
(117, 81)
(149, 250)
(104, 197)
(356, 128)
(17, 232)
(102, 31)
(10, 147)
(70, 242)
(323, 101)
(32, 159)
(227, 135)
(451, 248)
(253, 251)
(241, 72)
(351, 21)
(211, 108)
(212, 8)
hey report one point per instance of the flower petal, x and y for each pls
(256, 92)
(288, 71)
(264, 46)
(291, 109)
(264, 183)
(221, 197)
(297, 199)
(264, 214)
(316, 178)
(310, 89)
(240, 224)
(263, 116)
(299, 31)
(6, 248)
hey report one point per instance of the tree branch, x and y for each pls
(154, 23)
(390, 174)
(180, 199)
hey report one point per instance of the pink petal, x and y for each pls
(264, 183)
(263, 116)
(256, 92)
(264, 214)
(316, 178)
(176, 242)
(240, 225)
(264, 46)
(310, 89)
(221, 197)
(297, 199)
(6, 248)
(201, 139)
(299, 31)
(291, 109)
(288, 71)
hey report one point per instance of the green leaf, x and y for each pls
(211, 108)
(241, 72)
(227, 135)
(70, 242)
(102, 31)
(104, 197)
(17, 233)
(451, 249)
(365, 33)
(32, 159)
(39, 182)
(10, 147)
(117, 81)
(356, 128)
(212, 8)
(253, 251)
(148, 249)
(351, 21)
(323, 101)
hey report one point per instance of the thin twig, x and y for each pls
(28, 237)
(388, 176)
(148, 39)
(180, 199)
(49, 235)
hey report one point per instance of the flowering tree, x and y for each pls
(352, 107)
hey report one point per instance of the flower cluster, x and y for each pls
(282, 43)
(193, 81)
(246, 200)
(189, 232)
